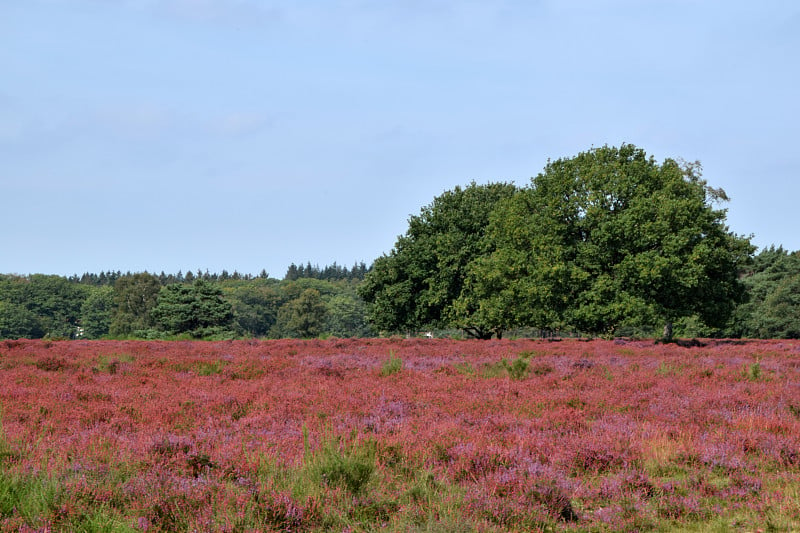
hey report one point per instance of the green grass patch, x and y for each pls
(354, 483)
(210, 368)
(8, 453)
(465, 369)
(29, 497)
(110, 363)
(393, 365)
(517, 369)
(753, 372)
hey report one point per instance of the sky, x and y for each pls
(176, 135)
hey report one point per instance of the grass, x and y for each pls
(753, 372)
(111, 363)
(519, 367)
(465, 369)
(516, 369)
(210, 369)
(393, 365)
(7, 452)
(343, 463)
(30, 497)
(348, 483)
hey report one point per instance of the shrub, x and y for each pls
(393, 365)
(519, 367)
(753, 372)
(51, 363)
(210, 369)
(346, 465)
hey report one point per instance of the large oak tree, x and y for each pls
(609, 238)
(415, 285)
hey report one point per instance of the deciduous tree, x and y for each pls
(611, 237)
(55, 301)
(135, 297)
(96, 312)
(415, 285)
(302, 317)
(255, 307)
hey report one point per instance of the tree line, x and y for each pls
(321, 301)
(609, 242)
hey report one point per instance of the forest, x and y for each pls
(308, 302)
(608, 243)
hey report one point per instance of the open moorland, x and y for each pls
(399, 435)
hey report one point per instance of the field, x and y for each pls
(399, 435)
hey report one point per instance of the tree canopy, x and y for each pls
(197, 309)
(303, 316)
(135, 297)
(415, 285)
(607, 238)
(39, 305)
(773, 286)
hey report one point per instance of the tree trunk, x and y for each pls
(477, 333)
(667, 335)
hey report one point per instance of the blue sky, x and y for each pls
(247, 134)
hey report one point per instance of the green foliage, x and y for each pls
(302, 317)
(56, 301)
(331, 272)
(519, 367)
(198, 310)
(465, 369)
(255, 307)
(365, 486)
(693, 327)
(101, 520)
(393, 365)
(416, 284)
(134, 297)
(210, 369)
(753, 371)
(39, 305)
(97, 311)
(29, 496)
(110, 363)
(17, 322)
(608, 242)
(773, 309)
(145, 306)
(666, 370)
(347, 316)
(605, 239)
(349, 465)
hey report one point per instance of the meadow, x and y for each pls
(399, 435)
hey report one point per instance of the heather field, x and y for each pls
(399, 435)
